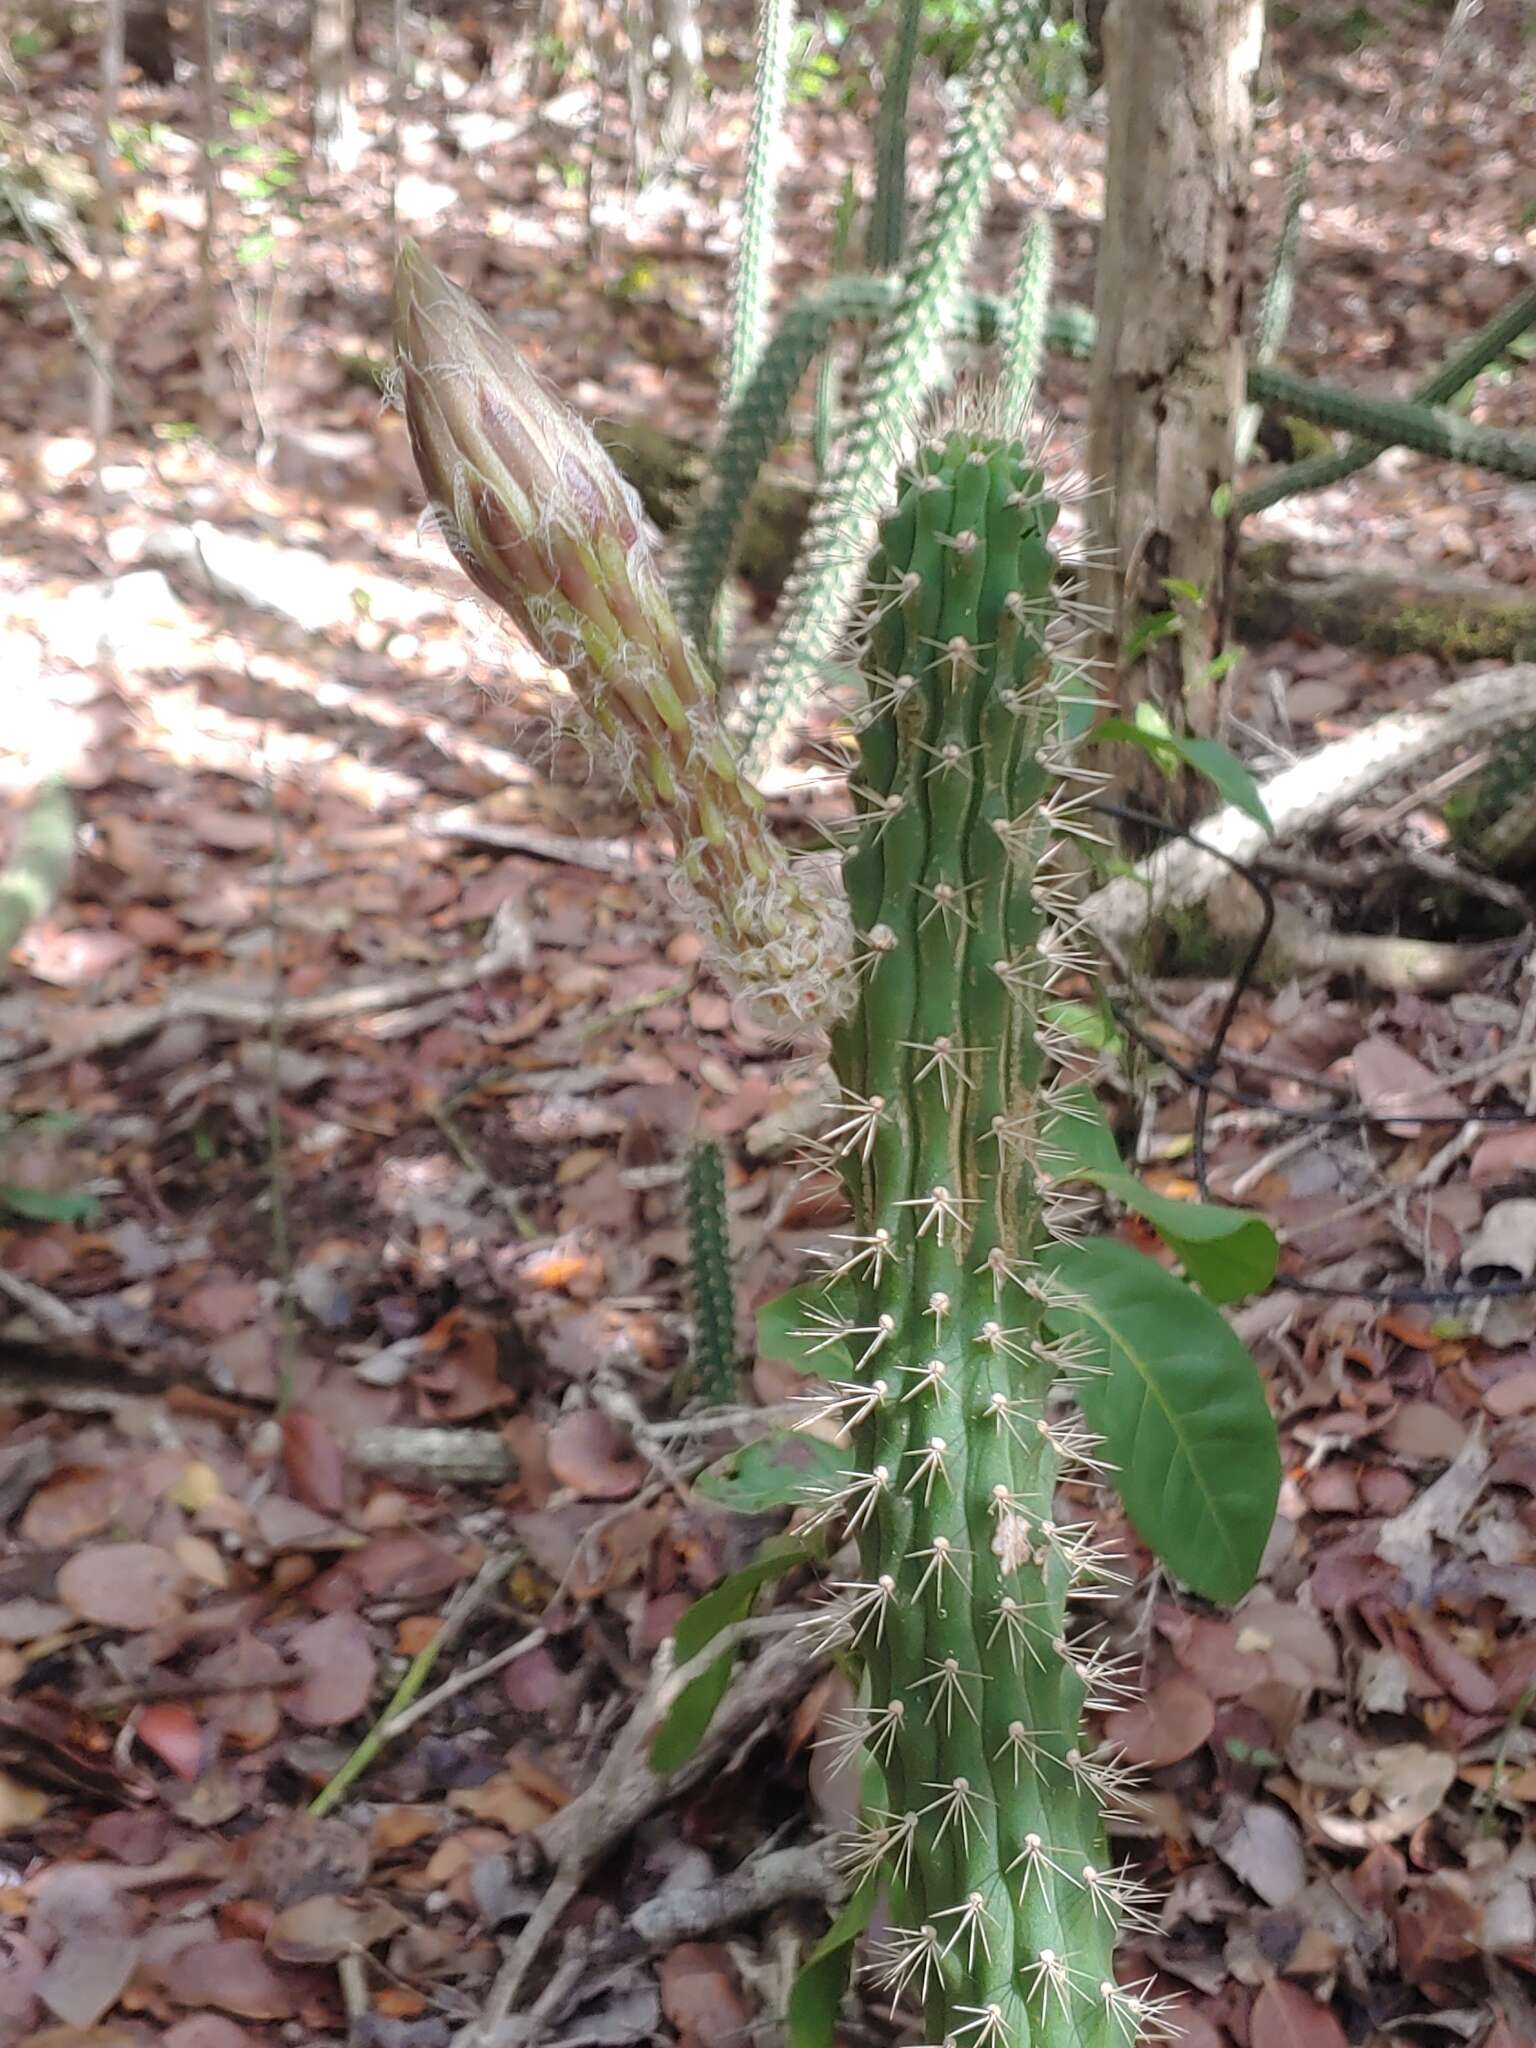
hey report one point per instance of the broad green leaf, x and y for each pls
(1218, 764)
(778, 1471)
(692, 1711)
(818, 1990)
(1182, 1412)
(44, 1205)
(694, 1708)
(1227, 1253)
(732, 1598)
(798, 1326)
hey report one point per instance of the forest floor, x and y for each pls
(347, 1087)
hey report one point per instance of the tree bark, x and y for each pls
(1168, 369)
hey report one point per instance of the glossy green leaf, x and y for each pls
(818, 1990)
(732, 1600)
(778, 1471)
(1227, 1253)
(1181, 1409)
(48, 1205)
(1218, 764)
(794, 1327)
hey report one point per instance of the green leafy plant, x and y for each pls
(980, 1362)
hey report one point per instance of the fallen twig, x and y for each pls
(393, 1721)
(626, 1789)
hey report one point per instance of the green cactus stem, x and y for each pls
(989, 1834)
(1274, 319)
(540, 520)
(904, 365)
(1403, 424)
(888, 216)
(712, 1353)
(1026, 319)
(760, 421)
(1460, 368)
(753, 271)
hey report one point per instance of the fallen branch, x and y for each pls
(1311, 791)
(626, 1789)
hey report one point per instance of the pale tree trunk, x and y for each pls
(105, 308)
(334, 127)
(210, 348)
(1168, 373)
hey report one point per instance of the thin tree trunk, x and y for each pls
(105, 307)
(1168, 373)
(334, 127)
(210, 353)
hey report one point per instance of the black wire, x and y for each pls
(1202, 1078)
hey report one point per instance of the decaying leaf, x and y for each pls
(1404, 1784)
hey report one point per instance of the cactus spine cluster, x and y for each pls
(947, 1376)
(989, 1833)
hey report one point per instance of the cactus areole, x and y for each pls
(935, 1316)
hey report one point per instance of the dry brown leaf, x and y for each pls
(1284, 2016)
(587, 1453)
(1406, 1782)
(1389, 1078)
(123, 1585)
(175, 1734)
(701, 1996)
(86, 1977)
(1172, 1721)
(207, 2030)
(312, 1463)
(1262, 1845)
(75, 1504)
(337, 1657)
(232, 1976)
(1505, 1238)
(324, 1928)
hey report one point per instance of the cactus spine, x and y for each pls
(990, 1833)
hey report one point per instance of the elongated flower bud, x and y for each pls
(541, 521)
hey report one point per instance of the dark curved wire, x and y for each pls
(1202, 1078)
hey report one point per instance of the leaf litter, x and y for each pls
(208, 1600)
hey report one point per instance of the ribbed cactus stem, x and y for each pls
(888, 215)
(541, 521)
(990, 1834)
(1461, 367)
(904, 366)
(1025, 316)
(752, 275)
(712, 1353)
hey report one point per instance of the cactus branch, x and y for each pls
(1279, 296)
(1024, 321)
(904, 366)
(1397, 422)
(712, 1354)
(753, 271)
(761, 420)
(888, 218)
(1438, 388)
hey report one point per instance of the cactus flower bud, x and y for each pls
(540, 520)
